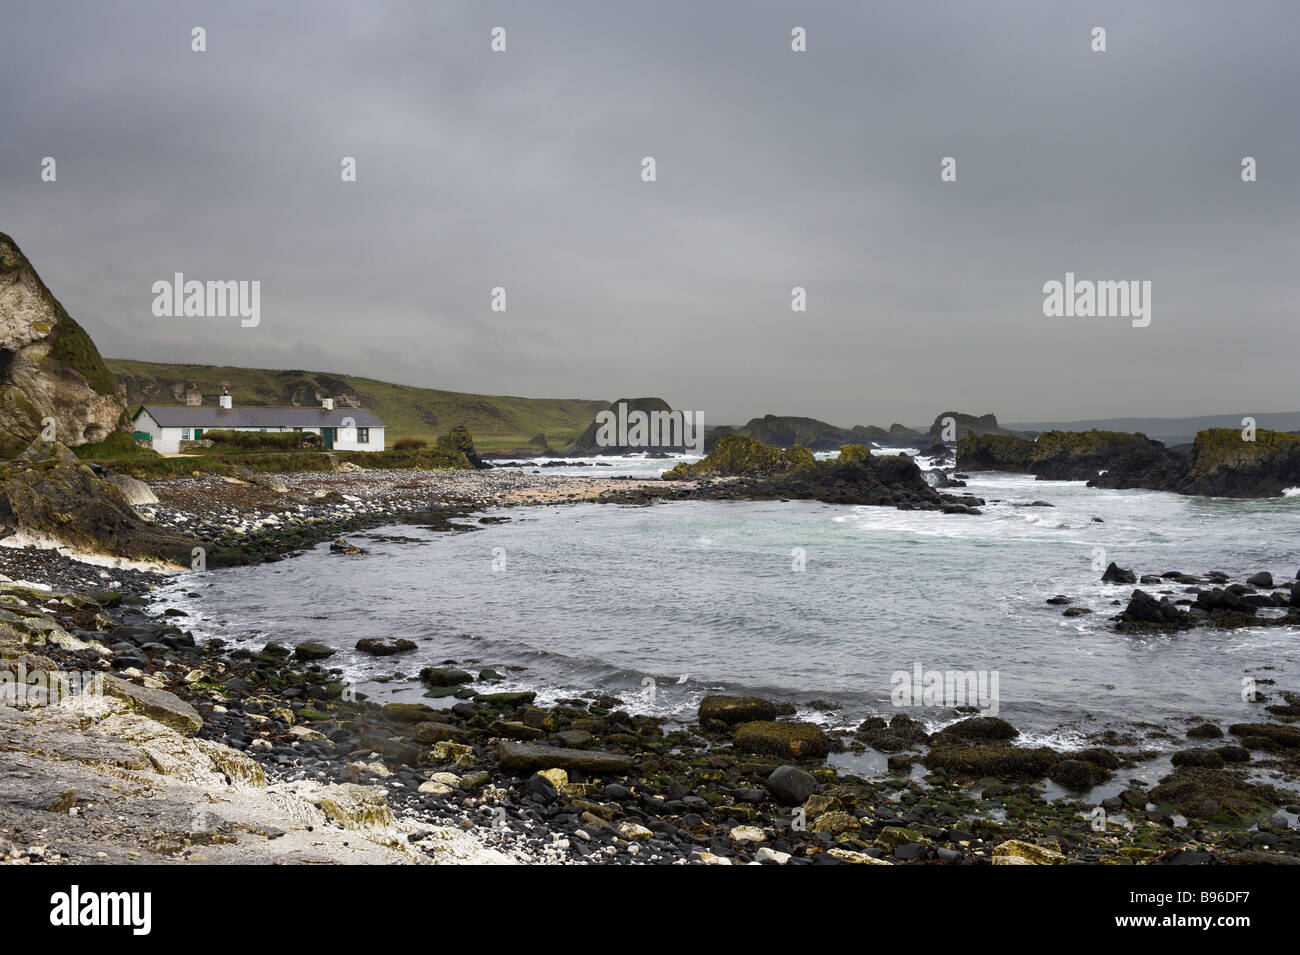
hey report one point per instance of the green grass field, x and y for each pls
(498, 423)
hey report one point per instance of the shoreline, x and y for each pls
(612, 787)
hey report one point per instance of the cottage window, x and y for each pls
(185, 434)
(363, 435)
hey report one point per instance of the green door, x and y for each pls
(198, 433)
(327, 435)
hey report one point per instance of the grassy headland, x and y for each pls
(498, 423)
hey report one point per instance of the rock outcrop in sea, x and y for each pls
(49, 367)
(787, 431)
(1221, 462)
(896, 435)
(994, 452)
(757, 470)
(964, 424)
(588, 442)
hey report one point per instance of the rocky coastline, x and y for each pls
(475, 774)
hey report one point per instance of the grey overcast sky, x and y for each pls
(775, 169)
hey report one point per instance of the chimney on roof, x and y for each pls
(327, 404)
(225, 400)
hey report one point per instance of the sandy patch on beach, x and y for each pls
(558, 490)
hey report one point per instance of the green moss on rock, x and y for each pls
(459, 442)
(1216, 795)
(739, 709)
(736, 455)
(1286, 737)
(52, 368)
(996, 762)
(790, 740)
(1224, 463)
(71, 346)
(994, 452)
(855, 453)
(1216, 448)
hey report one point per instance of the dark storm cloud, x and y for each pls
(775, 169)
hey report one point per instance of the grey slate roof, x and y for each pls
(214, 416)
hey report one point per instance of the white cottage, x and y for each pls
(345, 429)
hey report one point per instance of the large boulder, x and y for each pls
(136, 493)
(1115, 574)
(378, 647)
(442, 676)
(50, 495)
(791, 786)
(356, 807)
(789, 740)
(1144, 611)
(977, 728)
(1218, 598)
(49, 367)
(159, 705)
(739, 709)
(529, 758)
